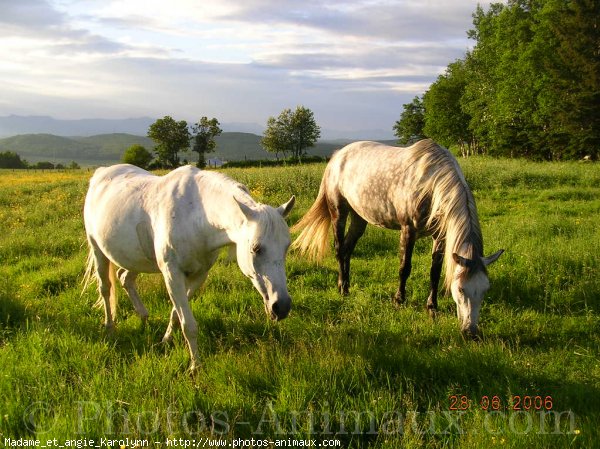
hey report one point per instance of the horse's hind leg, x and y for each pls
(437, 257)
(408, 237)
(355, 231)
(339, 215)
(173, 323)
(106, 286)
(127, 279)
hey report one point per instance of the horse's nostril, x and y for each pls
(275, 308)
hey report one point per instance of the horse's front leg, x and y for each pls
(408, 237)
(437, 257)
(192, 285)
(175, 281)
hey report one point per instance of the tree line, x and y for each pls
(10, 159)
(291, 133)
(530, 87)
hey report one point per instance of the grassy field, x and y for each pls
(357, 370)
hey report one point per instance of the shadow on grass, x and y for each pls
(431, 371)
(13, 314)
(516, 292)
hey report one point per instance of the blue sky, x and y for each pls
(354, 63)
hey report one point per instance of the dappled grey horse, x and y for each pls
(419, 190)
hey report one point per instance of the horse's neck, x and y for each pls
(225, 215)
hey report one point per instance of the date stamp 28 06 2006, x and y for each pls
(515, 402)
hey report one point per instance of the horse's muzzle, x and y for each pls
(280, 308)
(472, 332)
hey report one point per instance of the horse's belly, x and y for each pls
(121, 229)
(122, 246)
(382, 218)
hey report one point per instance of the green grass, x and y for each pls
(357, 369)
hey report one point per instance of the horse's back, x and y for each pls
(135, 216)
(381, 182)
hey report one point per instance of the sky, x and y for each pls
(353, 63)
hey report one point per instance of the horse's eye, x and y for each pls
(461, 290)
(256, 249)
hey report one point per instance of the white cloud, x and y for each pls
(353, 62)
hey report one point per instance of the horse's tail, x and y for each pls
(90, 268)
(314, 226)
(90, 275)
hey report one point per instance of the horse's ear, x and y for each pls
(493, 258)
(462, 261)
(248, 212)
(286, 208)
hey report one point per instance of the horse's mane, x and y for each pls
(453, 214)
(268, 217)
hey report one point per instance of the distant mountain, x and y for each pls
(357, 134)
(15, 124)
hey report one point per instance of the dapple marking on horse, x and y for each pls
(176, 224)
(419, 190)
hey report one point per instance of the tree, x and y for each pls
(171, 137)
(409, 128)
(275, 138)
(291, 132)
(445, 120)
(44, 165)
(567, 35)
(533, 88)
(204, 133)
(137, 155)
(9, 159)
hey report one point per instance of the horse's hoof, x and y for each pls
(194, 368)
(144, 323)
(398, 299)
(110, 330)
(476, 337)
(432, 313)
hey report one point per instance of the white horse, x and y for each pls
(176, 224)
(419, 190)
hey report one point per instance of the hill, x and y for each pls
(108, 148)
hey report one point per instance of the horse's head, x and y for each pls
(261, 250)
(469, 285)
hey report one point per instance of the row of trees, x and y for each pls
(10, 159)
(291, 133)
(530, 87)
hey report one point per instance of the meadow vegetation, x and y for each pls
(358, 369)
